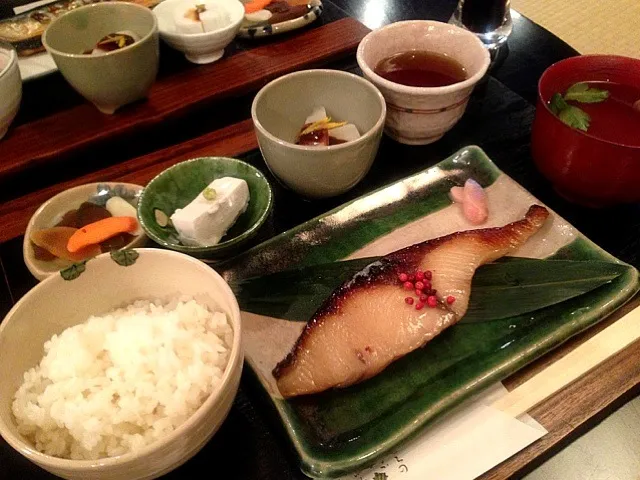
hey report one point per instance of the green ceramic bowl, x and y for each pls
(179, 185)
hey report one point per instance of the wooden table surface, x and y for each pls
(251, 442)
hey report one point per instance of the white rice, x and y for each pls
(121, 381)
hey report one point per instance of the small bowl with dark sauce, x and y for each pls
(426, 71)
(46, 239)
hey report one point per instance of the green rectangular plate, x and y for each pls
(340, 431)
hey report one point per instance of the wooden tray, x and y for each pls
(51, 138)
(230, 141)
(565, 415)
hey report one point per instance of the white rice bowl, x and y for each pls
(121, 381)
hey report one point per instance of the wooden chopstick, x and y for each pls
(572, 366)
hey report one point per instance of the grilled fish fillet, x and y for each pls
(366, 324)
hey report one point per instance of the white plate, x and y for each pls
(35, 66)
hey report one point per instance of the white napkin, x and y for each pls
(463, 444)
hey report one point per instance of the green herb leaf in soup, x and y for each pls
(557, 103)
(583, 93)
(576, 118)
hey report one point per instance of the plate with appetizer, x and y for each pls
(264, 18)
(24, 31)
(79, 224)
(206, 207)
(366, 323)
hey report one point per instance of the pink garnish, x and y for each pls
(420, 283)
(473, 199)
(457, 194)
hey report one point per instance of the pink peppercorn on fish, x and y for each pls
(394, 306)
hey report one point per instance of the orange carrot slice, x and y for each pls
(55, 239)
(255, 5)
(99, 231)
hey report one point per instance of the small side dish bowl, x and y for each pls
(286, 16)
(279, 111)
(10, 87)
(113, 79)
(201, 48)
(57, 304)
(422, 115)
(583, 168)
(52, 211)
(177, 186)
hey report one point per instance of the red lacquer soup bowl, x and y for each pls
(583, 168)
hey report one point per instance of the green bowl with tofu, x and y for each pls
(206, 207)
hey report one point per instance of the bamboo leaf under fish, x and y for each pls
(506, 288)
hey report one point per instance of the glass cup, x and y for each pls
(490, 20)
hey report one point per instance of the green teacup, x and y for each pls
(116, 78)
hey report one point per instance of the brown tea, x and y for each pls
(419, 68)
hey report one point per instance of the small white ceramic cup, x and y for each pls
(200, 48)
(422, 115)
(10, 87)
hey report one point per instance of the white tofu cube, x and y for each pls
(208, 217)
(214, 18)
(185, 21)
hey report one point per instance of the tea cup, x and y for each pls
(422, 115)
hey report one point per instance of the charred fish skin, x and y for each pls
(365, 325)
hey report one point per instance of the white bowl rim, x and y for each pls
(398, 87)
(235, 356)
(13, 57)
(136, 44)
(235, 23)
(362, 139)
(37, 272)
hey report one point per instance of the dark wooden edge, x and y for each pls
(565, 415)
(229, 141)
(49, 139)
(579, 406)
